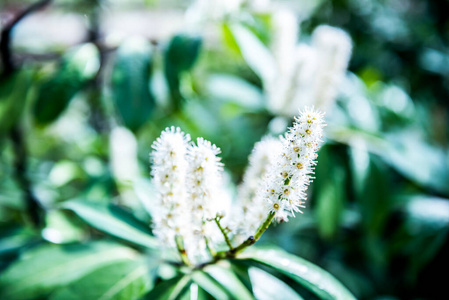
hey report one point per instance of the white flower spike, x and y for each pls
(287, 182)
(169, 158)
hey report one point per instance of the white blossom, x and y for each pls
(286, 184)
(285, 37)
(295, 87)
(311, 74)
(334, 48)
(190, 187)
(203, 182)
(250, 210)
(169, 170)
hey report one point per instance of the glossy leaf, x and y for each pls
(78, 66)
(123, 280)
(329, 193)
(194, 292)
(423, 163)
(313, 278)
(255, 53)
(376, 201)
(114, 221)
(13, 95)
(431, 212)
(130, 82)
(13, 240)
(45, 268)
(170, 289)
(266, 286)
(59, 229)
(180, 55)
(210, 285)
(229, 281)
(236, 90)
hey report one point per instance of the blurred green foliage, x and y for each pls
(379, 209)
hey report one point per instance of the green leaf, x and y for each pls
(255, 53)
(78, 66)
(131, 82)
(15, 239)
(13, 95)
(170, 289)
(229, 281)
(429, 211)
(424, 232)
(236, 90)
(47, 267)
(114, 221)
(59, 229)
(123, 280)
(329, 193)
(210, 285)
(196, 293)
(180, 56)
(376, 201)
(266, 286)
(313, 278)
(182, 51)
(410, 154)
(229, 39)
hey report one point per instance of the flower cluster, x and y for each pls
(169, 178)
(251, 211)
(286, 183)
(308, 74)
(187, 177)
(203, 182)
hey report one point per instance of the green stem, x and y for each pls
(182, 251)
(264, 226)
(252, 239)
(223, 231)
(248, 242)
(210, 248)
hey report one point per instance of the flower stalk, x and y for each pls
(224, 231)
(249, 241)
(181, 249)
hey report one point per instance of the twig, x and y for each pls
(248, 242)
(223, 231)
(34, 208)
(5, 43)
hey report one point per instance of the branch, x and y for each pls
(34, 207)
(248, 242)
(5, 43)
